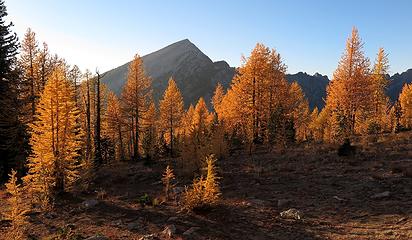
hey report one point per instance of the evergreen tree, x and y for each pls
(12, 131)
(97, 132)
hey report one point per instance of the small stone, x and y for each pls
(133, 226)
(169, 231)
(283, 202)
(172, 219)
(190, 231)
(152, 236)
(117, 222)
(339, 199)
(97, 237)
(90, 203)
(381, 195)
(292, 214)
(258, 202)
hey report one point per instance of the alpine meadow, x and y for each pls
(163, 142)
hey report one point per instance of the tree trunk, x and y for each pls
(97, 140)
(88, 128)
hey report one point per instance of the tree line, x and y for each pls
(58, 124)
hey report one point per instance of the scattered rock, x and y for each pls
(90, 203)
(339, 199)
(292, 214)
(169, 231)
(117, 222)
(97, 237)
(152, 236)
(258, 202)
(133, 226)
(283, 202)
(402, 220)
(381, 195)
(172, 219)
(190, 231)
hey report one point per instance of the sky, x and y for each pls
(309, 35)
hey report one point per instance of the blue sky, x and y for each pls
(309, 35)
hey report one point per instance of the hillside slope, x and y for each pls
(195, 73)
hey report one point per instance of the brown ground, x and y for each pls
(333, 193)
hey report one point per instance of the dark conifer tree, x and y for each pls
(11, 130)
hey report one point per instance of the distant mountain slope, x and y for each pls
(314, 87)
(195, 74)
(396, 83)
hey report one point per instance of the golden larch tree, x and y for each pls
(405, 101)
(18, 208)
(171, 112)
(299, 107)
(115, 124)
(150, 132)
(349, 93)
(379, 99)
(256, 91)
(55, 140)
(28, 64)
(196, 143)
(136, 98)
(218, 97)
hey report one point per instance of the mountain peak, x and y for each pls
(194, 72)
(184, 41)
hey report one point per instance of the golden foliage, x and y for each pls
(115, 123)
(300, 111)
(204, 191)
(218, 142)
(211, 188)
(378, 116)
(17, 210)
(196, 144)
(258, 92)
(349, 94)
(218, 97)
(193, 197)
(87, 105)
(136, 100)
(405, 100)
(171, 112)
(55, 140)
(149, 139)
(168, 177)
